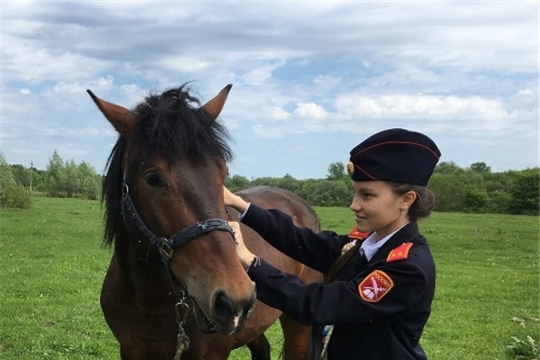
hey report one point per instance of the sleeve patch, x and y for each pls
(375, 286)
(400, 253)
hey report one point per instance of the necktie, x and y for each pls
(363, 258)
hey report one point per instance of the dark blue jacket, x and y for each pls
(378, 308)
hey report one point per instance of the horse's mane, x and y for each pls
(171, 123)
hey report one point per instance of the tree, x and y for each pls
(54, 182)
(448, 168)
(288, 182)
(67, 179)
(90, 181)
(476, 200)
(498, 202)
(22, 175)
(336, 171)
(72, 182)
(524, 197)
(480, 167)
(236, 182)
(449, 192)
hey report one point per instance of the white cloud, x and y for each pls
(310, 111)
(464, 110)
(279, 114)
(261, 74)
(99, 84)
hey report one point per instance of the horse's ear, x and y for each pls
(214, 106)
(121, 118)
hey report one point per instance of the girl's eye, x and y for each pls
(152, 179)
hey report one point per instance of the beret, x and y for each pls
(396, 155)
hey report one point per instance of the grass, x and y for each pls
(52, 266)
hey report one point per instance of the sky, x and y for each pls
(311, 79)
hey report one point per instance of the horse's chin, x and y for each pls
(207, 326)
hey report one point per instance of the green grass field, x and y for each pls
(52, 265)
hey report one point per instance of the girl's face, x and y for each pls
(377, 208)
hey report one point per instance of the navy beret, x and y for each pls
(396, 155)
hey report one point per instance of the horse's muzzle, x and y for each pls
(228, 315)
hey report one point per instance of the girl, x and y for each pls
(380, 296)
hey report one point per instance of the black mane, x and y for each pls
(170, 124)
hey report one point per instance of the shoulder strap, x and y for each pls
(400, 253)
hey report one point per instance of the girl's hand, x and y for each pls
(235, 201)
(246, 257)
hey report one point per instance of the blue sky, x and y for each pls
(310, 79)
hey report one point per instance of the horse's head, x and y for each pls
(164, 189)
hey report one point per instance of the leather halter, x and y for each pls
(166, 246)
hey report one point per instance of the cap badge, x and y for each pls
(350, 168)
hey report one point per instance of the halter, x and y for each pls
(166, 246)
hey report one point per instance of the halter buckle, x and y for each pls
(165, 249)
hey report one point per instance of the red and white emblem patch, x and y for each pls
(375, 286)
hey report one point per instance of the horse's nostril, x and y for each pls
(224, 307)
(227, 310)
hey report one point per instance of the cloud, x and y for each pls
(301, 71)
(310, 111)
(420, 106)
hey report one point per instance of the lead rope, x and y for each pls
(329, 329)
(181, 310)
(182, 340)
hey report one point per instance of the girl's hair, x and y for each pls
(424, 203)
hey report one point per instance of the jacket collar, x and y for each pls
(408, 233)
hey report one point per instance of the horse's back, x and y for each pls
(276, 198)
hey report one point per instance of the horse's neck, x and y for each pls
(143, 268)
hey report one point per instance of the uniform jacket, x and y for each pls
(378, 308)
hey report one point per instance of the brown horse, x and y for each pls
(175, 287)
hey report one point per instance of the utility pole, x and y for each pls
(31, 174)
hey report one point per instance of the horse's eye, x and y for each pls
(152, 179)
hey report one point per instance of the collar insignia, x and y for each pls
(357, 235)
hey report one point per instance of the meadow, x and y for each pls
(52, 265)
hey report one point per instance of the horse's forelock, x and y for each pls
(173, 123)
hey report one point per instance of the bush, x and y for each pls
(15, 196)
(523, 350)
(12, 195)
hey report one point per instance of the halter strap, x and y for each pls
(166, 246)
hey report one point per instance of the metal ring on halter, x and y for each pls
(125, 189)
(165, 249)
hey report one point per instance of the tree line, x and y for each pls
(475, 189)
(60, 179)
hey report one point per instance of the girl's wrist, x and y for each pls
(240, 204)
(255, 261)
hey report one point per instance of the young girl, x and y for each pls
(380, 298)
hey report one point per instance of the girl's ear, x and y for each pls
(408, 199)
